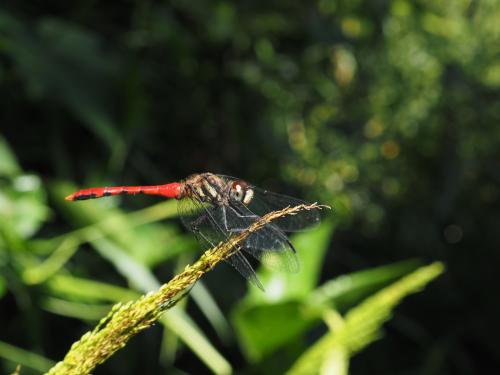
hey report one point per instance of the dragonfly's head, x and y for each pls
(241, 191)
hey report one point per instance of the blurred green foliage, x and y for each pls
(386, 110)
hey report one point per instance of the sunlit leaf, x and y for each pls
(362, 323)
(311, 248)
(347, 290)
(263, 328)
(8, 162)
(296, 316)
(279, 309)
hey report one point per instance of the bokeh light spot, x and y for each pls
(344, 66)
(352, 27)
(373, 128)
(334, 183)
(390, 149)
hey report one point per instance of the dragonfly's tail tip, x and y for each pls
(70, 197)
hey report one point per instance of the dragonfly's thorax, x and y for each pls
(213, 189)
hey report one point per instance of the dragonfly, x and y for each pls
(215, 207)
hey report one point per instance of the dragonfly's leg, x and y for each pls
(226, 226)
(242, 226)
(247, 216)
(194, 226)
(200, 233)
(215, 223)
(224, 217)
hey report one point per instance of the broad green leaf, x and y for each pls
(22, 198)
(263, 328)
(22, 204)
(8, 162)
(311, 248)
(280, 306)
(253, 313)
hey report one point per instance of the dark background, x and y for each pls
(387, 110)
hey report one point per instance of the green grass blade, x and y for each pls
(351, 288)
(362, 324)
(81, 289)
(82, 311)
(180, 323)
(24, 357)
(208, 306)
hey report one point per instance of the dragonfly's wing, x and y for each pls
(201, 219)
(207, 223)
(241, 264)
(269, 244)
(265, 201)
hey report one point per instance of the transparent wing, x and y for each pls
(268, 245)
(201, 219)
(265, 201)
(207, 224)
(241, 264)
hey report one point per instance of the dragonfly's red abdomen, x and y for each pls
(172, 190)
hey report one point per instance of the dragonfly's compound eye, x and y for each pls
(248, 196)
(241, 192)
(237, 192)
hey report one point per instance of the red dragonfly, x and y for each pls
(214, 207)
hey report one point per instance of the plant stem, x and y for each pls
(125, 320)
